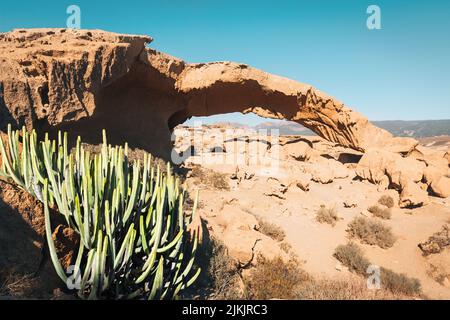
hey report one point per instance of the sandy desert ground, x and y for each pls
(327, 175)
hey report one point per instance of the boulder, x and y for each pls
(238, 231)
(321, 174)
(375, 165)
(441, 187)
(300, 151)
(276, 188)
(405, 169)
(326, 170)
(430, 157)
(413, 195)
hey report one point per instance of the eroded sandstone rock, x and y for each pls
(238, 230)
(88, 80)
(413, 195)
(441, 187)
(376, 165)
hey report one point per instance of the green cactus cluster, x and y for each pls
(134, 239)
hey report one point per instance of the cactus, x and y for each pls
(133, 234)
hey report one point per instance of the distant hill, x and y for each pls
(286, 128)
(415, 129)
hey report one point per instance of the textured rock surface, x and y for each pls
(87, 80)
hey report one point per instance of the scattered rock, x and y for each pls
(241, 174)
(350, 203)
(326, 170)
(441, 187)
(302, 181)
(437, 242)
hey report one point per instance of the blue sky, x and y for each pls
(399, 72)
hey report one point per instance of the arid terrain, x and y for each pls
(353, 212)
(312, 174)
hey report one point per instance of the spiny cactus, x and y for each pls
(133, 232)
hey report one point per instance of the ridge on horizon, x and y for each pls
(402, 128)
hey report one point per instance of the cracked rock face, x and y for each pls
(83, 81)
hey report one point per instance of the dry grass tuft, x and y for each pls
(352, 256)
(386, 201)
(271, 230)
(383, 213)
(286, 247)
(371, 232)
(327, 215)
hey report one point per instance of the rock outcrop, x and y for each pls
(87, 80)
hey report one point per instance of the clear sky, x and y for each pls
(399, 72)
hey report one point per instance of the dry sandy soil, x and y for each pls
(231, 197)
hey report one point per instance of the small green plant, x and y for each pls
(383, 213)
(371, 232)
(327, 215)
(133, 230)
(386, 201)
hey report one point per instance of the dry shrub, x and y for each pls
(352, 256)
(286, 247)
(17, 285)
(271, 230)
(386, 201)
(211, 178)
(274, 279)
(221, 279)
(399, 283)
(371, 232)
(327, 215)
(383, 213)
(134, 154)
(438, 273)
(350, 288)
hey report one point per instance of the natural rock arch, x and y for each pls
(88, 80)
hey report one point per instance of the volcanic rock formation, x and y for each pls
(87, 80)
